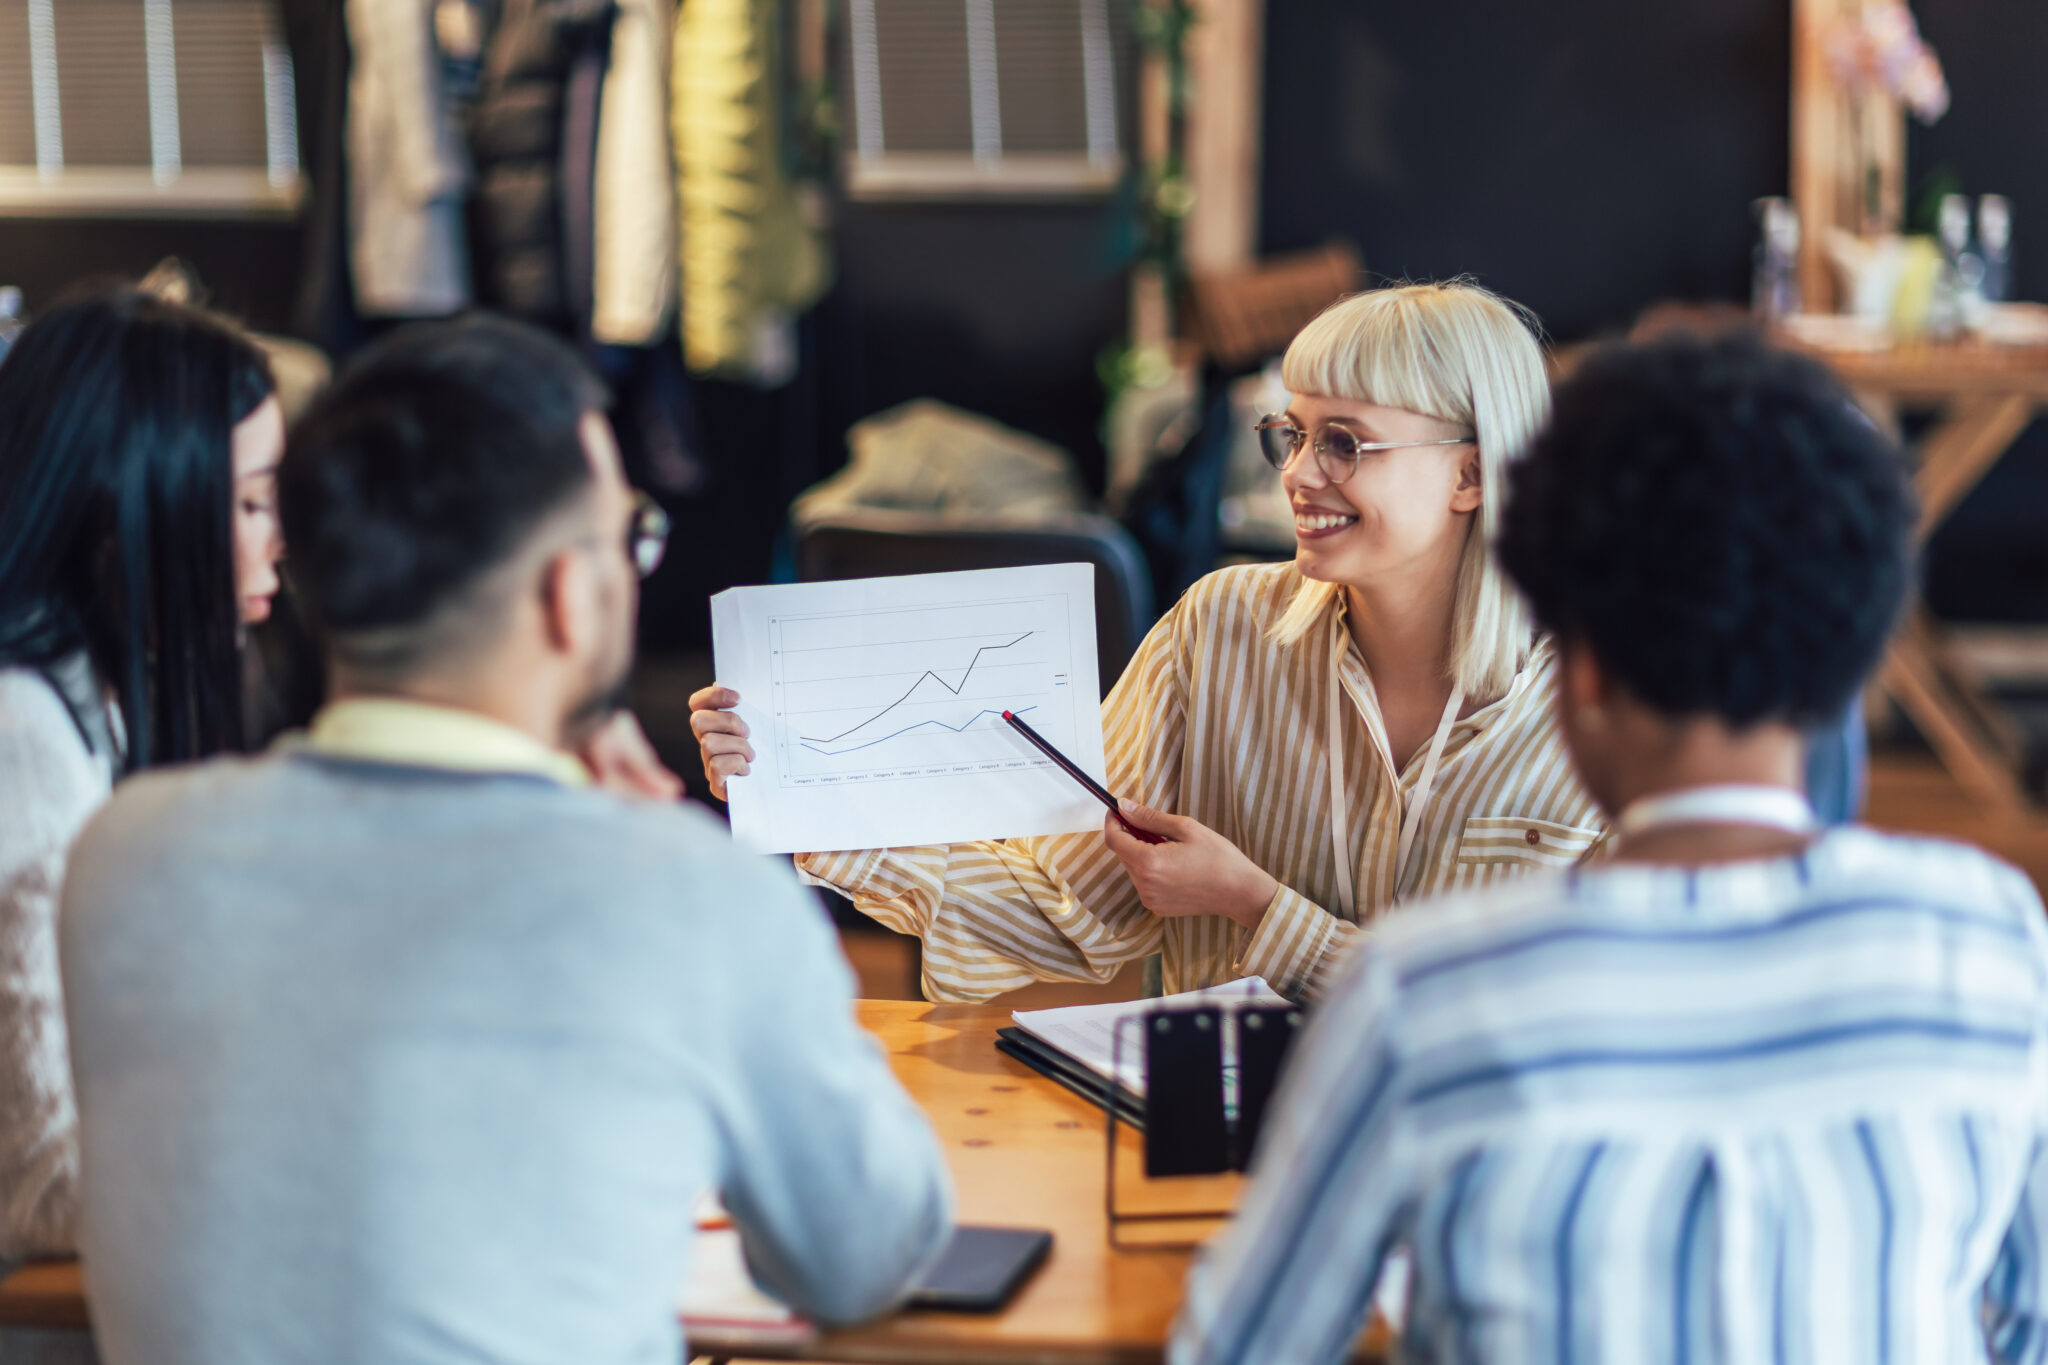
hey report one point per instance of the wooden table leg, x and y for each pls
(1973, 742)
(1973, 739)
(1961, 448)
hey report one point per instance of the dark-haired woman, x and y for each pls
(139, 443)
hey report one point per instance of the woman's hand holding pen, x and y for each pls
(1196, 872)
(721, 735)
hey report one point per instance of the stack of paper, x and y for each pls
(722, 1301)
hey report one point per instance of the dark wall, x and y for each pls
(1001, 309)
(1994, 137)
(252, 269)
(1990, 560)
(1586, 157)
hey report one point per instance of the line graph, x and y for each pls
(956, 691)
(893, 694)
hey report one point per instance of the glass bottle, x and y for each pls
(1994, 240)
(1774, 282)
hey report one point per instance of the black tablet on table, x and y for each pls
(981, 1269)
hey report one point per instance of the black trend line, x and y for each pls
(956, 691)
(956, 729)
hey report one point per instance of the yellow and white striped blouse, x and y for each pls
(1215, 721)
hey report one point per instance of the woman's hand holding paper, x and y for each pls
(721, 735)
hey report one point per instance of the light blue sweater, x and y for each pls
(395, 1064)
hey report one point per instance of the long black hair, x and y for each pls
(117, 411)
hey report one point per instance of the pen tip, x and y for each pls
(1008, 716)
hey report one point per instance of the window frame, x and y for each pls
(875, 173)
(50, 187)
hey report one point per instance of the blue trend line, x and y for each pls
(956, 729)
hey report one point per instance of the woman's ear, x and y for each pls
(1470, 491)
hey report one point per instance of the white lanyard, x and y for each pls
(1411, 810)
(1725, 804)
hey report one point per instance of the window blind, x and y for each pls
(961, 97)
(145, 106)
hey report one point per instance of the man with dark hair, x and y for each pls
(382, 554)
(1749, 1090)
(400, 1043)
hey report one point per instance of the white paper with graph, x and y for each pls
(876, 707)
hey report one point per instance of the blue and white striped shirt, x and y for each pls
(1776, 1111)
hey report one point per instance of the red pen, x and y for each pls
(1095, 788)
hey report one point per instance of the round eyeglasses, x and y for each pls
(646, 534)
(1337, 450)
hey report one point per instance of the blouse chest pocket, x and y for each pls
(1511, 842)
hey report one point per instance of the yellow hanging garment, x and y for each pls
(752, 248)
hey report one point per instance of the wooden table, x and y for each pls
(1983, 396)
(47, 1294)
(1024, 1152)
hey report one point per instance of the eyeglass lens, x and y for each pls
(647, 536)
(1337, 450)
(1278, 440)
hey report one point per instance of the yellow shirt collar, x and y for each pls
(421, 735)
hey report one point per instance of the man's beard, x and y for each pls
(603, 702)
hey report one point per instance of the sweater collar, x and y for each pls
(420, 735)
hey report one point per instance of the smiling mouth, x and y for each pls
(1321, 523)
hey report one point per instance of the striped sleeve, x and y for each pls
(1298, 946)
(999, 915)
(2015, 1297)
(2016, 1292)
(1292, 1277)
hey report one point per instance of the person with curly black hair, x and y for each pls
(1722, 528)
(1750, 1089)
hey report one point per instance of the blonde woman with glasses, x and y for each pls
(1316, 741)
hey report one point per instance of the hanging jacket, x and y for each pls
(534, 179)
(407, 166)
(634, 289)
(316, 35)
